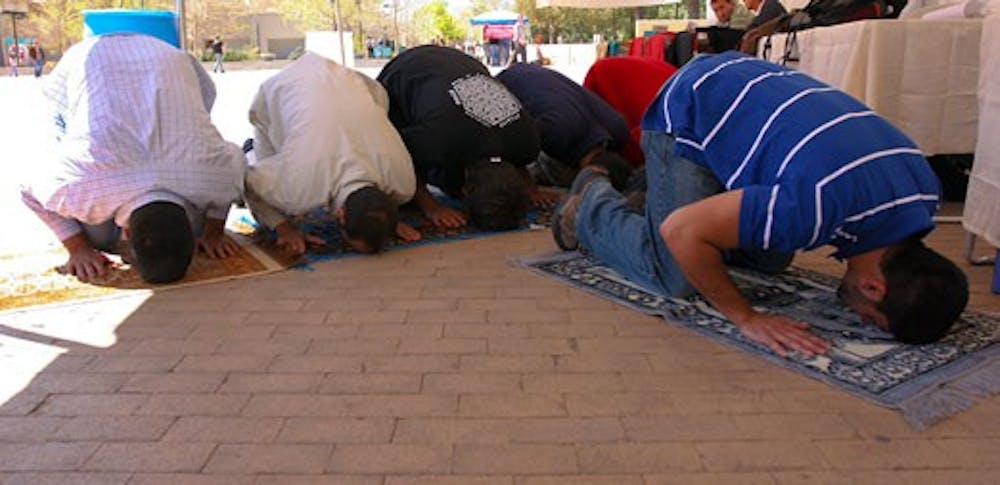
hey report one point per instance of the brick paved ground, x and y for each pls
(441, 364)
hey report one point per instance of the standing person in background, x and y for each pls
(521, 35)
(37, 56)
(13, 58)
(217, 51)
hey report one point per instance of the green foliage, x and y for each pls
(580, 25)
(434, 21)
(309, 14)
(362, 17)
(59, 23)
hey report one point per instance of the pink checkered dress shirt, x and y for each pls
(132, 127)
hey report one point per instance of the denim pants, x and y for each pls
(630, 242)
(103, 237)
(106, 236)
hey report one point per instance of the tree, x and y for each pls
(435, 22)
(59, 23)
(207, 18)
(308, 14)
(319, 15)
(579, 25)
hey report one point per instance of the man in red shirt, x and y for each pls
(629, 84)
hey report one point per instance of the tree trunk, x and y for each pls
(360, 34)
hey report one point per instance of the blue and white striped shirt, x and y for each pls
(816, 166)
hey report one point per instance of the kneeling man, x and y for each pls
(748, 162)
(467, 133)
(323, 139)
(575, 126)
(137, 159)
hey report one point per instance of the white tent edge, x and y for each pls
(602, 3)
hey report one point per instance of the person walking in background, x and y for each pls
(14, 57)
(217, 51)
(37, 56)
(521, 35)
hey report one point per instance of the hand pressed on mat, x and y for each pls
(293, 240)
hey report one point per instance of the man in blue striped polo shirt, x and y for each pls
(748, 162)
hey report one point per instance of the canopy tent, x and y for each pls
(601, 3)
(495, 17)
(498, 32)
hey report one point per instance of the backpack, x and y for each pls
(819, 13)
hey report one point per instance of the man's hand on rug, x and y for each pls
(782, 334)
(293, 240)
(214, 242)
(406, 232)
(444, 216)
(86, 263)
(543, 198)
(217, 246)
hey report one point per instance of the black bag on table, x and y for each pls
(821, 13)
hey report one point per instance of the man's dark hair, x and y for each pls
(160, 241)
(370, 215)
(618, 168)
(925, 293)
(496, 195)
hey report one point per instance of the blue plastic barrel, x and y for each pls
(157, 23)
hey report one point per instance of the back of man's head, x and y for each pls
(160, 241)
(925, 293)
(370, 217)
(496, 195)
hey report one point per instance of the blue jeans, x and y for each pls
(103, 237)
(630, 243)
(106, 236)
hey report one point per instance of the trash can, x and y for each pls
(157, 23)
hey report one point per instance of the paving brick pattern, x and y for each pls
(446, 365)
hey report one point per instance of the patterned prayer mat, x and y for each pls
(322, 224)
(32, 279)
(926, 382)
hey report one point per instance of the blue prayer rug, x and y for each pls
(320, 223)
(926, 382)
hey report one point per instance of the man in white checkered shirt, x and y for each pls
(137, 159)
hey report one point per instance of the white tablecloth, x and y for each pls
(921, 75)
(982, 203)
